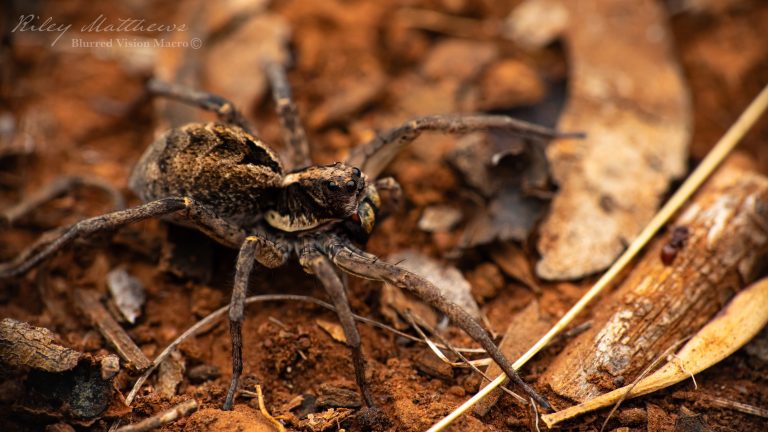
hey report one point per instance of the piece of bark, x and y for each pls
(170, 374)
(630, 98)
(666, 298)
(23, 345)
(524, 330)
(90, 305)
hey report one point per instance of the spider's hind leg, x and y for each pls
(224, 109)
(55, 189)
(48, 245)
(347, 258)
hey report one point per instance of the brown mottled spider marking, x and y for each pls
(222, 180)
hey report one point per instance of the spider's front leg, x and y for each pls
(349, 259)
(269, 254)
(373, 156)
(317, 264)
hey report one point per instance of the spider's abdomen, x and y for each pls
(220, 166)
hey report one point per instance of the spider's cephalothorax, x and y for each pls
(220, 179)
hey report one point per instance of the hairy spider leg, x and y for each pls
(270, 254)
(64, 236)
(224, 109)
(294, 136)
(55, 189)
(357, 263)
(319, 265)
(373, 156)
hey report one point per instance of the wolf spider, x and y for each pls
(219, 178)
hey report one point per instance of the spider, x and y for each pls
(222, 180)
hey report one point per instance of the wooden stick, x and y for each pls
(89, 303)
(162, 418)
(681, 282)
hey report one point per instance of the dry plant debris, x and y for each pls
(358, 67)
(659, 303)
(23, 345)
(638, 131)
(741, 320)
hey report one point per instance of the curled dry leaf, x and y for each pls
(638, 132)
(741, 320)
(512, 175)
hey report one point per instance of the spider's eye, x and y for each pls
(351, 185)
(356, 172)
(332, 186)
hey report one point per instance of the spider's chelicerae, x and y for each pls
(221, 179)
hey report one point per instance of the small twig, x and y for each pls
(89, 303)
(718, 402)
(162, 418)
(535, 415)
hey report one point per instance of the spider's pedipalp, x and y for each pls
(321, 267)
(348, 259)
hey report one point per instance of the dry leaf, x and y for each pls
(739, 322)
(638, 130)
(514, 263)
(333, 329)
